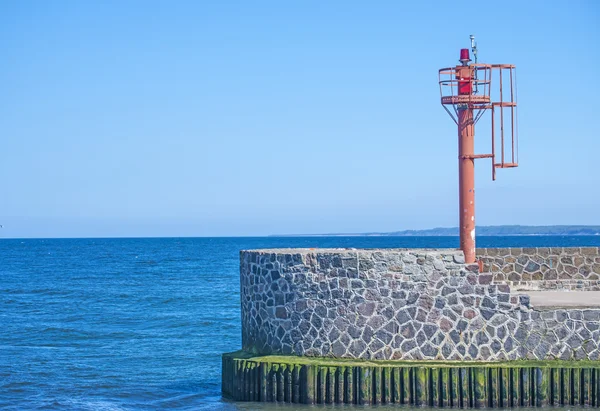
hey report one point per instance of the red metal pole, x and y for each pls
(466, 160)
(466, 184)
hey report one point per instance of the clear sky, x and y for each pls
(210, 118)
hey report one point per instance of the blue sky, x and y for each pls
(206, 118)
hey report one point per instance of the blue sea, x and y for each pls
(124, 324)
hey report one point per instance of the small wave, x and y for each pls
(178, 401)
(62, 330)
(100, 405)
(147, 262)
(50, 292)
(35, 347)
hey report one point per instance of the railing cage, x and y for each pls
(499, 96)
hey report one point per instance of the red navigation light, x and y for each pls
(464, 55)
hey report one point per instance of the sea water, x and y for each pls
(118, 324)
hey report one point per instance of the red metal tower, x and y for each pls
(466, 88)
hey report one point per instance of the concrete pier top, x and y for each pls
(564, 299)
(336, 251)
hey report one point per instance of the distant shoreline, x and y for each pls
(491, 231)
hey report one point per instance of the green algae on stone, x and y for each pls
(327, 361)
(422, 383)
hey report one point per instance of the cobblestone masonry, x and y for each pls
(543, 268)
(399, 304)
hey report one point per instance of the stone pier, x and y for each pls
(425, 311)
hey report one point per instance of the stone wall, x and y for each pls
(543, 268)
(398, 304)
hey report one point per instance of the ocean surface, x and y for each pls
(123, 324)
